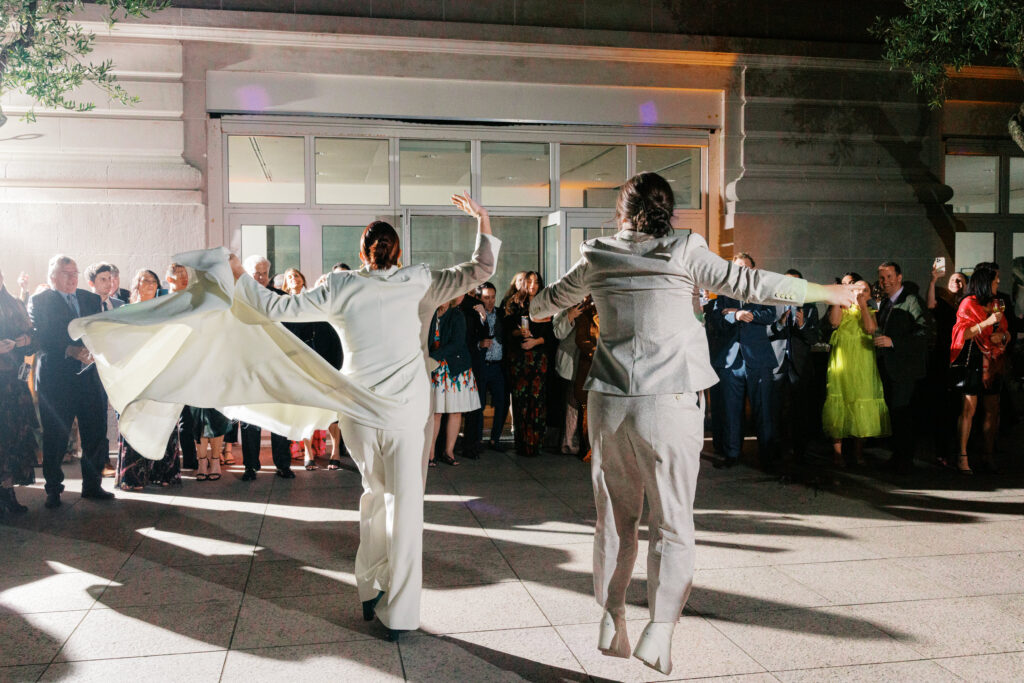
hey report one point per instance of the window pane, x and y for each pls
(266, 170)
(680, 166)
(550, 269)
(1016, 184)
(279, 243)
(577, 236)
(972, 248)
(432, 171)
(444, 241)
(975, 183)
(340, 243)
(515, 173)
(352, 171)
(590, 175)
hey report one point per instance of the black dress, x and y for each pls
(19, 423)
(528, 375)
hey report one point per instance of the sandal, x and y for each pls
(310, 466)
(448, 460)
(334, 464)
(126, 487)
(431, 463)
(202, 477)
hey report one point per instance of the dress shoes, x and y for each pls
(248, 475)
(612, 639)
(9, 502)
(97, 494)
(286, 474)
(496, 446)
(370, 605)
(52, 501)
(655, 646)
(725, 463)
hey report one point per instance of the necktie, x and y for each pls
(73, 304)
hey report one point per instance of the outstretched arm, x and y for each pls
(568, 291)
(449, 283)
(311, 305)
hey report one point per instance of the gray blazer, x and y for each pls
(646, 291)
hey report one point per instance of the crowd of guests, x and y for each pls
(900, 366)
(50, 387)
(890, 354)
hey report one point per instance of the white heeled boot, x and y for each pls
(612, 640)
(655, 646)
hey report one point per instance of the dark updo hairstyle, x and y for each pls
(980, 284)
(855, 276)
(379, 245)
(646, 202)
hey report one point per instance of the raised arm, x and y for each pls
(449, 283)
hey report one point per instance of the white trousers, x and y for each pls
(646, 444)
(390, 555)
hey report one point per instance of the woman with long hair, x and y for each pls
(18, 422)
(980, 336)
(515, 285)
(646, 415)
(134, 472)
(528, 343)
(854, 402)
(453, 383)
(382, 314)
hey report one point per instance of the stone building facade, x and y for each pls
(805, 149)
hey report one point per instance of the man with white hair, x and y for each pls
(67, 382)
(259, 268)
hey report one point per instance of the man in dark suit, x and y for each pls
(484, 333)
(901, 347)
(67, 383)
(280, 447)
(745, 363)
(792, 335)
(100, 277)
(115, 285)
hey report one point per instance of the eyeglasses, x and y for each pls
(68, 273)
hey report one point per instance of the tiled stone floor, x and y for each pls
(857, 579)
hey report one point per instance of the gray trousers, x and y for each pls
(646, 444)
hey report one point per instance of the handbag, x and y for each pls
(965, 373)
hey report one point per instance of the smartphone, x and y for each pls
(939, 264)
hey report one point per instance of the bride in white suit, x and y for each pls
(377, 313)
(646, 416)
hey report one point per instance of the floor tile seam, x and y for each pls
(175, 603)
(939, 660)
(816, 608)
(917, 557)
(923, 575)
(725, 635)
(114, 659)
(245, 586)
(845, 666)
(333, 641)
(56, 654)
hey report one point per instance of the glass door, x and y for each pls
(311, 242)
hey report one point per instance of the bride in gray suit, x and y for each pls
(646, 411)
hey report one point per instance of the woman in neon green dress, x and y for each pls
(854, 403)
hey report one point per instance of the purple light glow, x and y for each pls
(648, 113)
(252, 98)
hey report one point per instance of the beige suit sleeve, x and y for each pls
(715, 274)
(449, 283)
(311, 305)
(568, 291)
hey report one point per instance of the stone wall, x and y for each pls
(109, 184)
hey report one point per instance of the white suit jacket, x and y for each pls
(646, 290)
(382, 317)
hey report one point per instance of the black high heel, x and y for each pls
(370, 605)
(965, 471)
